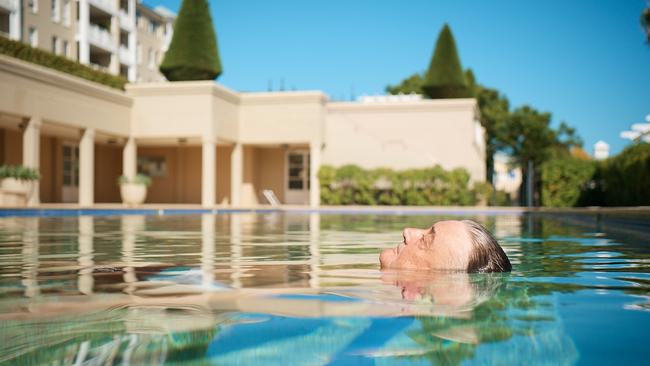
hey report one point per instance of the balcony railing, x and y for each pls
(125, 56)
(100, 37)
(125, 20)
(99, 67)
(10, 5)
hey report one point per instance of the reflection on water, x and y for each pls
(306, 289)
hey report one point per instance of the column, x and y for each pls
(82, 32)
(314, 165)
(208, 173)
(31, 155)
(133, 74)
(130, 159)
(87, 168)
(236, 174)
(114, 30)
(15, 22)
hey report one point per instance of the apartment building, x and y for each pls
(117, 36)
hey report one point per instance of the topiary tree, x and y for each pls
(445, 78)
(192, 54)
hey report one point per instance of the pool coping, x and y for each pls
(166, 209)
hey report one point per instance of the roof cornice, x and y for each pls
(62, 80)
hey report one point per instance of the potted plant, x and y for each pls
(17, 179)
(134, 190)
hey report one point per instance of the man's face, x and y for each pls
(444, 246)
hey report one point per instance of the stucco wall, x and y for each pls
(108, 168)
(49, 185)
(28, 90)
(182, 181)
(405, 135)
(223, 174)
(281, 118)
(12, 147)
(270, 171)
(42, 21)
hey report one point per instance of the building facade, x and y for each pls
(202, 143)
(122, 37)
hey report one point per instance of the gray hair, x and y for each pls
(487, 255)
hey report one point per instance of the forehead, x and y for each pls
(452, 244)
(451, 228)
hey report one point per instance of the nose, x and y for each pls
(411, 235)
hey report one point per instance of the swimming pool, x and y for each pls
(305, 289)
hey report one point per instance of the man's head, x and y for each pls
(448, 245)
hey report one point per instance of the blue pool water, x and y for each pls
(306, 289)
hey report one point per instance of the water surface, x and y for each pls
(305, 289)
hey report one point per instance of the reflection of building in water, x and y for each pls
(30, 257)
(131, 225)
(507, 226)
(86, 233)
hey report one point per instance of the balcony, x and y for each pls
(125, 56)
(126, 22)
(9, 5)
(106, 6)
(101, 38)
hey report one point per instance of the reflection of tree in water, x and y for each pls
(101, 338)
(504, 311)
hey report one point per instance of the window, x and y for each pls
(33, 6)
(33, 37)
(55, 45)
(55, 14)
(298, 170)
(65, 12)
(66, 49)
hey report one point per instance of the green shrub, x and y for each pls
(564, 180)
(352, 185)
(625, 178)
(138, 179)
(192, 54)
(27, 53)
(622, 180)
(19, 172)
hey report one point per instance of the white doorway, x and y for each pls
(70, 172)
(297, 183)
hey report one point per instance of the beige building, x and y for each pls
(205, 144)
(117, 36)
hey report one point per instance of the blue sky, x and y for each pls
(585, 61)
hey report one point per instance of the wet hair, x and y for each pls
(486, 254)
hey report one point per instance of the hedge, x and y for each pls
(27, 53)
(622, 180)
(352, 185)
(564, 181)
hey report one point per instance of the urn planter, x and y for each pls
(133, 193)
